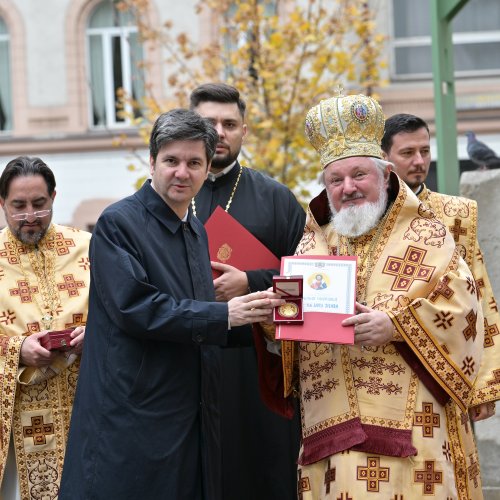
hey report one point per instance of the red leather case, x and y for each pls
(57, 340)
(291, 289)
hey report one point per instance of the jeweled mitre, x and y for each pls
(345, 126)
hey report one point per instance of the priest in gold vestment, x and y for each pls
(387, 417)
(406, 144)
(44, 275)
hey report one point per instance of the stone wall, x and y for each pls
(484, 187)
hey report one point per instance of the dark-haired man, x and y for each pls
(406, 144)
(44, 274)
(259, 447)
(146, 417)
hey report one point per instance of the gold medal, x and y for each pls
(288, 310)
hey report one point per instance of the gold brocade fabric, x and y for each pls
(460, 217)
(36, 404)
(371, 426)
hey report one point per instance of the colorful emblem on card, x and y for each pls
(318, 281)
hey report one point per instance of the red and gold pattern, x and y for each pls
(408, 268)
(10, 253)
(460, 216)
(354, 474)
(429, 477)
(70, 285)
(36, 404)
(363, 412)
(373, 474)
(24, 291)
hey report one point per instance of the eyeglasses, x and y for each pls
(38, 214)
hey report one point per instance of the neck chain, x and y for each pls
(193, 203)
(43, 265)
(367, 257)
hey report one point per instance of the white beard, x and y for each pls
(356, 220)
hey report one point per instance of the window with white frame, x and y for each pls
(114, 55)
(476, 39)
(5, 87)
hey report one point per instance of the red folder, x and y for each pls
(231, 243)
(317, 326)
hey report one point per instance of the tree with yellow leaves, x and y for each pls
(283, 56)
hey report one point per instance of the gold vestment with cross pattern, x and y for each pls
(36, 403)
(392, 420)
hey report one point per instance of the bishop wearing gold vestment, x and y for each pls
(387, 417)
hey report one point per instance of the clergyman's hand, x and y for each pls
(371, 327)
(231, 283)
(255, 307)
(482, 411)
(33, 354)
(77, 336)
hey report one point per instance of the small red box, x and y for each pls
(290, 288)
(57, 340)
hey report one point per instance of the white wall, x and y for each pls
(44, 23)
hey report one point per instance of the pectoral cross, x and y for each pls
(47, 321)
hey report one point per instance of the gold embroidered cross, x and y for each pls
(428, 477)
(427, 419)
(38, 430)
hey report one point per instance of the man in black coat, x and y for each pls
(259, 448)
(145, 421)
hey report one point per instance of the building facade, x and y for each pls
(62, 62)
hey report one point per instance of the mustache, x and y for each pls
(354, 196)
(25, 222)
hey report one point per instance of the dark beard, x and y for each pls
(414, 186)
(221, 162)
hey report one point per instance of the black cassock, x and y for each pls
(145, 421)
(259, 448)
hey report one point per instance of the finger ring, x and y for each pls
(252, 309)
(362, 347)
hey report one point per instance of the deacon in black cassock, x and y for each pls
(259, 448)
(146, 422)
